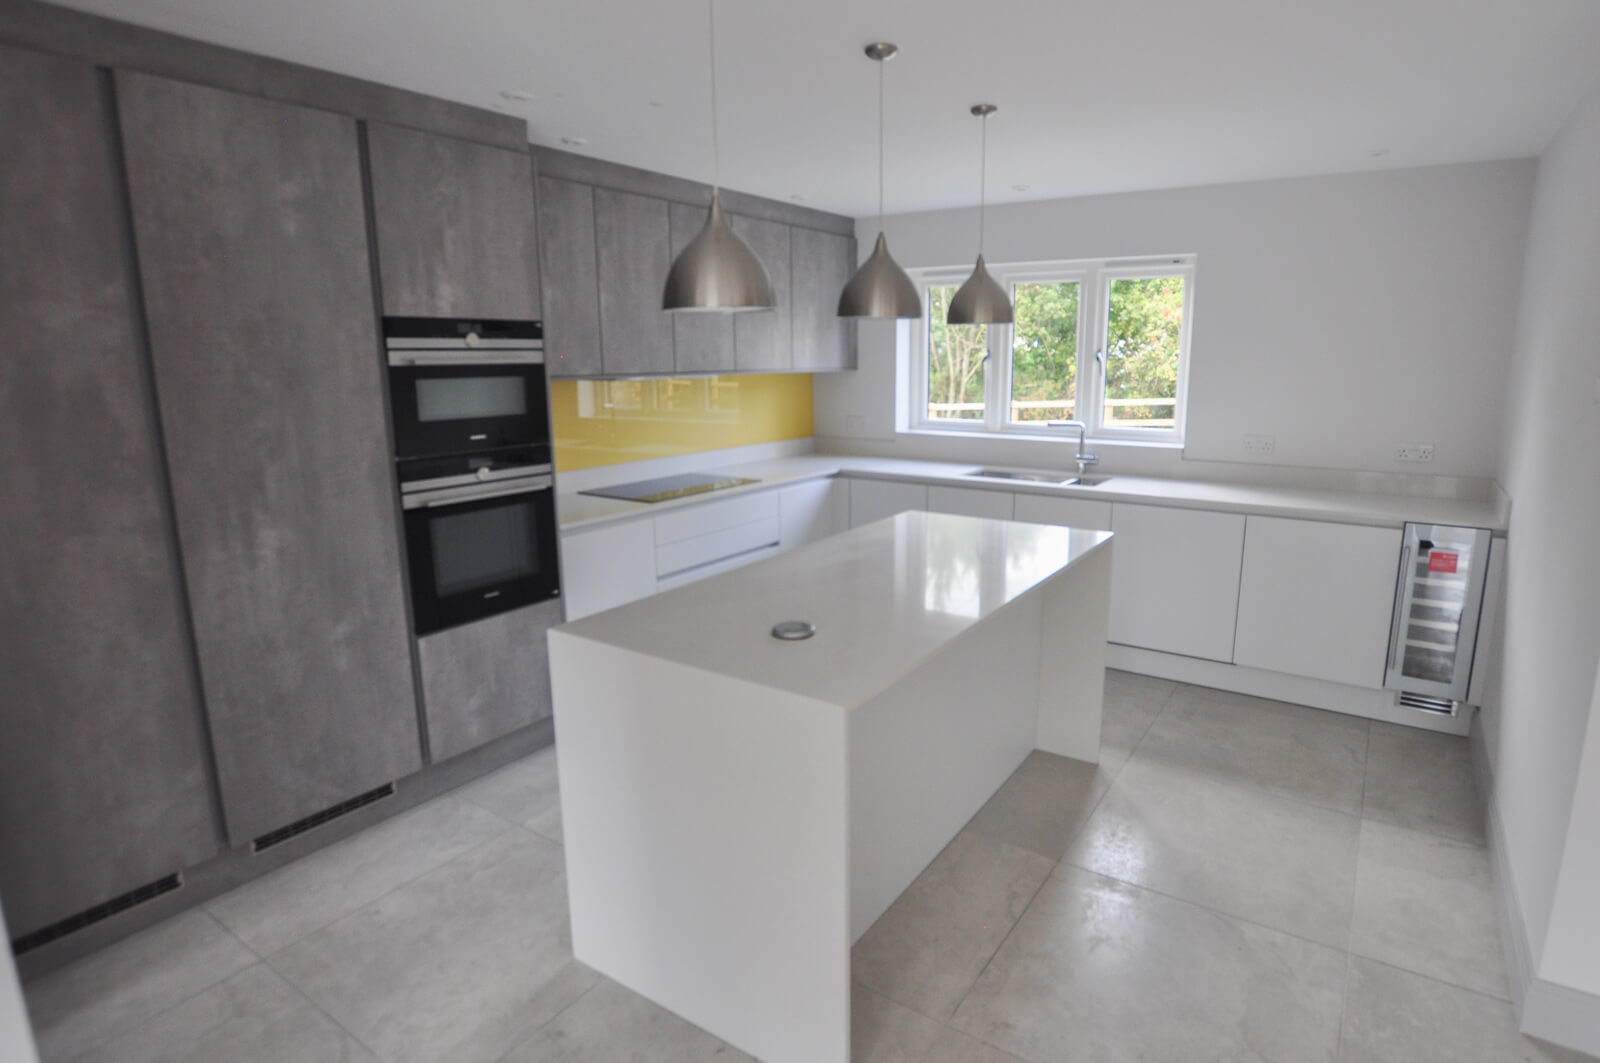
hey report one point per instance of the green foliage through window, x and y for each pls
(956, 355)
(1143, 330)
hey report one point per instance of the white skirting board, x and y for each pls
(1374, 704)
(1545, 1010)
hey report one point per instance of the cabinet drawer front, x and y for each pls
(719, 545)
(727, 564)
(970, 502)
(872, 500)
(1067, 512)
(715, 516)
(606, 567)
(1175, 579)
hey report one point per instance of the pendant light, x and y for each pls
(880, 287)
(981, 300)
(717, 271)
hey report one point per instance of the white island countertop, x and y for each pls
(578, 511)
(883, 598)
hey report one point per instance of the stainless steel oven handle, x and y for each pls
(474, 356)
(1399, 603)
(454, 495)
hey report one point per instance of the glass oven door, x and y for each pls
(453, 409)
(477, 551)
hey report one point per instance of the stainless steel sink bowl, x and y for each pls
(1059, 479)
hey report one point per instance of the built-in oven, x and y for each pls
(480, 547)
(466, 386)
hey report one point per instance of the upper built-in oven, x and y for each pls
(466, 387)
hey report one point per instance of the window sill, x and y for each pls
(1041, 437)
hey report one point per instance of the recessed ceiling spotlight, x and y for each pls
(797, 197)
(1019, 188)
(1377, 153)
(576, 142)
(520, 95)
(657, 103)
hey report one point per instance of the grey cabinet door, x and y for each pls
(571, 278)
(253, 250)
(762, 338)
(633, 245)
(703, 342)
(103, 778)
(455, 226)
(823, 264)
(483, 680)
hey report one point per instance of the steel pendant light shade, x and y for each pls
(717, 271)
(880, 288)
(980, 301)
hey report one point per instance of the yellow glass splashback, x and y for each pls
(607, 422)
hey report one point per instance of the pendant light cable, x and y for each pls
(716, 145)
(880, 147)
(983, 179)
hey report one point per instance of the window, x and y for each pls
(1105, 343)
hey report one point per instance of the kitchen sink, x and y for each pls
(1059, 479)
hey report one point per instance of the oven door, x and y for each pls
(477, 551)
(453, 409)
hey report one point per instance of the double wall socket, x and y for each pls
(1260, 444)
(1417, 452)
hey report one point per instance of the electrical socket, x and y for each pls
(1260, 444)
(1421, 453)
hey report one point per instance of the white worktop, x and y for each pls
(884, 597)
(1350, 507)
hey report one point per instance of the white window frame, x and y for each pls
(1094, 278)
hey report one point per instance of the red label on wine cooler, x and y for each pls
(1442, 562)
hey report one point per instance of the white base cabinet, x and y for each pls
(1175, 579)
(812, 510)
(1067, 512)
(608, 566)
(1315, 599)
(872, 500)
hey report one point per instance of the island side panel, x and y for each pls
(1072, 664)
(927, 752)
(706, 844)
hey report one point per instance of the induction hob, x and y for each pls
(664, 488)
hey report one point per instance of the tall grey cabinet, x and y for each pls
(250, 226)
(455, 226)
(103, 782)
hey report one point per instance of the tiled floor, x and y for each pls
(1238, 880)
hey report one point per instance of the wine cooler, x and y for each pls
(1437, 603)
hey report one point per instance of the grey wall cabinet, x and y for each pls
(103, 778)
(823, 264)
(761, 338)
(704, 342)
(455, 226)
(571, 278)
(483, 680)
(252, 245)
(633, 250)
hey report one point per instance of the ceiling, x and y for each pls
(1093, 96)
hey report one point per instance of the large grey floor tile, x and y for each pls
(1422, 780)
(1132, 703)
(455, 965)
(956, 1047)
(116, 989)
(1393, 1015)
(281, 908)
(1099, 971)
(1426, 904)
(927, 949)
(526, 792)
(1306, 754)
(882, 1031)
(1285, 864)
(612, 1024)
(253, 1017)
(1043, 805)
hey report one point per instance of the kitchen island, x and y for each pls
(739, 809)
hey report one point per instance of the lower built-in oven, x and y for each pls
(480, 547)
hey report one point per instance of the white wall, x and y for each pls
(1342, 314)
(16, 1036)
(1543, 727)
